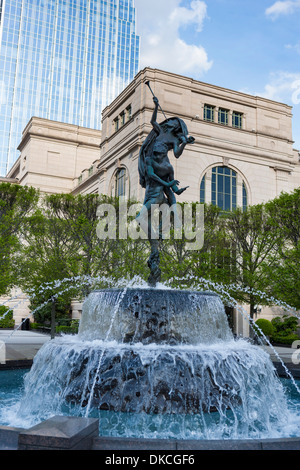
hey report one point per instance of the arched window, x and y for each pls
(224, 189)
(120, 183)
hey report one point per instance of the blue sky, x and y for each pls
(246, 45)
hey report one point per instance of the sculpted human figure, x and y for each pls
(157, 173)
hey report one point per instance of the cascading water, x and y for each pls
(157, 363)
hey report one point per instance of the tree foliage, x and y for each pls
(255, 250)
(284, 277)
(45, 240)
(16, 203)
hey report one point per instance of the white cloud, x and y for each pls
(195, 15)
(283, 87)
(285, 7)
(294, 47)
(296, 92)
(162, 47)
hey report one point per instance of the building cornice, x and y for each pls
(44, 129)
(195, 86)
(4, 179)
(14, 167)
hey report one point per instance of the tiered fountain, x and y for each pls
(164, 361)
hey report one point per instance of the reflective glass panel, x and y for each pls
(62, 60)
(223, 188)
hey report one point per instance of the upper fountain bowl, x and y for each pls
(162, 316)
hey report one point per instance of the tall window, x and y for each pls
(225, 192)
(208, 113)
(223, 116)
(117, 124)
(237, 119)
(129, 112)
(223, 188)
(120, 183)
(122, 117)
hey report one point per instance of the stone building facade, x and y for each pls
(53, 154)
(250, 136)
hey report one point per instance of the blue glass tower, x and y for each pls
(63, 60)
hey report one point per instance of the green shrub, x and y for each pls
(6, 319)
(265, 326)
(286, 324)
(35, 326)
(285, 329)
(285, 339)
(63, 329)
(72, 328)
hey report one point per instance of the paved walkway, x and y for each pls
(287, 355)
(18, 345)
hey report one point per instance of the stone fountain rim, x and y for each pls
(155, 289)
(13, 438)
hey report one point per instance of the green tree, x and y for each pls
(48, 256)
(255, 244)
(284, 276)
(49, 253)
(79, 215)
(6, 317)
(16, 204)
(211, 261)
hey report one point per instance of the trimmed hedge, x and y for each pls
(71, 329)
(265, 326)
(280, 330)
(285, 339)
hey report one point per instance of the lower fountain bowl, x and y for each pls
(152, 379)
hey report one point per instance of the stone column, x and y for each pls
(239, 191)
(216, 114)
(208, 186)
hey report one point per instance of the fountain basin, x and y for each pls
(160, 316)
(125, 430)
(153, 358)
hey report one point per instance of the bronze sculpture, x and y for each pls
(157, 175)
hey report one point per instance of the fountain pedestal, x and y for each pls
(146, 361)
(144, 354)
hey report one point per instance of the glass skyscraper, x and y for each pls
(63, 60)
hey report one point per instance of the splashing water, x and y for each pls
(157, 363)
(261, 410)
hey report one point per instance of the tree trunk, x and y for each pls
(53, 318)
(252, 311)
